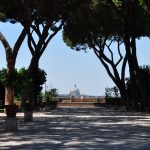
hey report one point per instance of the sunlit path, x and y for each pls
(79, 128)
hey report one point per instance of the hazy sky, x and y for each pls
(66, 67)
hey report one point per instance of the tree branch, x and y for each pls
(37, 30)
(30, 38)
(114, 7)
(101, 47)
(119, 52)
(4, 41)
(50, 37)
(19, 42)
(104, 60)
(8, 51)
(123, 68)
(108, 47)
(107, 69)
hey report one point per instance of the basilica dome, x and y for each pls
(75, 92)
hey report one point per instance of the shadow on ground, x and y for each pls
(79, 128)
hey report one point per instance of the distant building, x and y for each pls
(75, 92)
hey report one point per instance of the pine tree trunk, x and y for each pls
(9, 95)
(30, 89)
(11, 55)
(135, 95)
(123, 94)
(9, 87)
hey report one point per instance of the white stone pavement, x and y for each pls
(79, 129)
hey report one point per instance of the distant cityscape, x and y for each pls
(63, 96)
(75, 93)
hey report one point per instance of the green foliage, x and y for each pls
(41, 76)
(114, 101)
(112, 92)
(112, 96)
(89, 22)
(94, 19)
(36, 11)
(40, 81)
(18, 80)
(2, 16)
(13, 10)
(145, 73)
(145, 76)
(51, 94)
(7, 78)
(3, 73)
(115, 91)
(108, 92)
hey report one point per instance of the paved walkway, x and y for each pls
(79, 129)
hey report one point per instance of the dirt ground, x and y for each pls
(78, 129)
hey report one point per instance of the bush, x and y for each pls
(114, 101)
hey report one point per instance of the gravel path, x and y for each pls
(79, 129)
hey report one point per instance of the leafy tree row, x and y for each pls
(19, 81)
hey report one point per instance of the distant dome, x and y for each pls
(75, 93)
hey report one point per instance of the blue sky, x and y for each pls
(66, 67)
